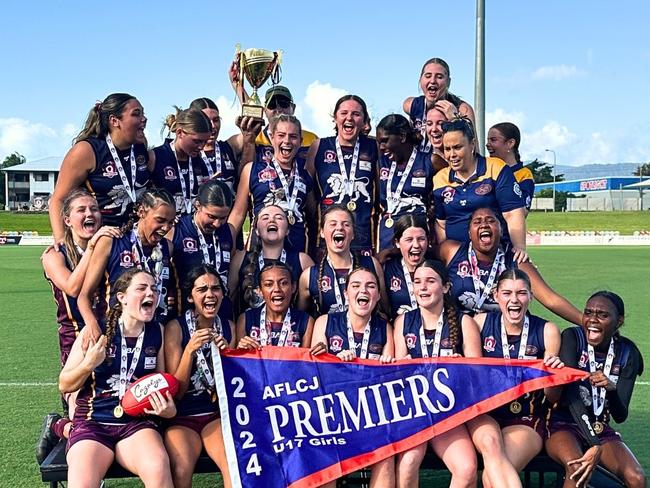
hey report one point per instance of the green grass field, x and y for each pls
(30, 346)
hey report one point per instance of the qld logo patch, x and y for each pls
(325, 284)
(329, 157)
(110, 170)
(267, 174)
(383, 174)
(170, 174)
(489, 344)
(127, 259)
(189, 245)
(395, 284)
(336, 344)
(411, 340)
(483, 189)
(464, 270)
(448, 195)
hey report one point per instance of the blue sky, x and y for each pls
(573, 75)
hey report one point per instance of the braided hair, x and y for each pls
(149, 198)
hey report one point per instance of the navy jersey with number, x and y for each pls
(99, 394)
(336, 333)
(265, 189)
(396, 287)
(321, 283)
(412, 325)
(104, 182)
(524, 177)
(462, 284)
(330, 186)
(299, 322)
(492, 186)
(124, 256)
(531, 403)
(415, 196)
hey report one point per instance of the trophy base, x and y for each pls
(256, 111)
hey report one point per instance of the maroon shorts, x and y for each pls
(106, 434)
(607, 435)
(535, 423)
(195, 422)
(67, 336)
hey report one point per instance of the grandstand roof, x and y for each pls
(51, 163)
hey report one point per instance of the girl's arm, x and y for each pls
(471, 337)
(85, 356)
(309, 332)
(94, 274)
(240, 208)
(401, 351)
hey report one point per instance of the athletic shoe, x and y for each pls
(48, 439)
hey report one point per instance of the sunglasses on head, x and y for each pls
(278, 102)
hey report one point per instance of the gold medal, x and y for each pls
(389, 222)
(291, 218)
(598, 427)
(118, 411)
(515, 407)
(352, 206)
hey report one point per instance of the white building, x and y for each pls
(30, 185)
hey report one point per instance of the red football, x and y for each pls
(136, 398)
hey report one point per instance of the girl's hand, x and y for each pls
(247, 342)
(346, 355)
(106, 230)
(586, 465)
(600, 380)
(386, 359)
(519, 255)
(320, 348)
(198, 340)
(162, 406)
(94, 353)
(448, 108)
(553, 362)
(220, 342)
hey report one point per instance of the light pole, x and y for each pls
(554, 161)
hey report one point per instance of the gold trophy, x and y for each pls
(258, 65)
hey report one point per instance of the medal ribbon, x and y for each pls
(497, 267)
(435, 352)
(291, 201)
(340, 306)
(265, 340)
(597, 393)
(393, 198)
(260, 258)
(144, 262)
(130, 189)
(187, 197)
(348, 179)
(217, 161)
(201, 362)
(409, 285)
(505, 347)
(125, 376)
(364, 342)
(204, 248)
(425, 145)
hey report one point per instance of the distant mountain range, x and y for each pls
(596, 170)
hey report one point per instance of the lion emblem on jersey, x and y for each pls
(337, 183)
(277, 196)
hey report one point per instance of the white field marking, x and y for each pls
(37, 384)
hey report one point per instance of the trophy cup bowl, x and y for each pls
(258, 65)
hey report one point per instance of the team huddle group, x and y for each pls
(409, 244)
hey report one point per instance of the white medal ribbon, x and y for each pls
(204, 248)
(393, 198)
(597, 393)
(265, 340)
(340, 305)
(409, 285)
(125, 376)
(260, 258)
(128, 185)
(348, 180)
(187, 197)
(425, 144)
(505, 347)
(291, 201)
(201, 362)
(435, 352)
(497, 267)
(364, 342)
(217, 161)
(145, 262)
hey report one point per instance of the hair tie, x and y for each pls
(98, 106)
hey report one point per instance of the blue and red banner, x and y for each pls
(291, 419)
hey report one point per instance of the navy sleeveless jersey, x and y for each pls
(336, 333)
(531, 403)
(99, 394)
(105, 184)
(299, 322)
(228, 169)
(415, 196)
(412, 325)
(492, 186)
(395, 283)
(418, 116)
(320, 284)
(124, 256)
(265, 188)
(462, 284)
(330, 186)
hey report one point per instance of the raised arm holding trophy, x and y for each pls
(258, 65)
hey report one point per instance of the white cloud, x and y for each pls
(319, 100)
(557, 72)
(552, 135)
(228, 111)
(501, 115)
(34, 139)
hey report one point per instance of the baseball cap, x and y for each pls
(277, 91)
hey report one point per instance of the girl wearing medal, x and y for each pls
(580, 434)
(204, 237)
(410, 250)
(130, 347)
(143, 245)
(270, 228)
(322, 286)
(109, 158)
(435, 79)
(275, 322)
(344, 168)
(188, 356)
(360, 333)
(282, 180)
(474, 266)
(405, 176)
(178, 165)
(516, 430)
(435, 329)
(219, 157)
